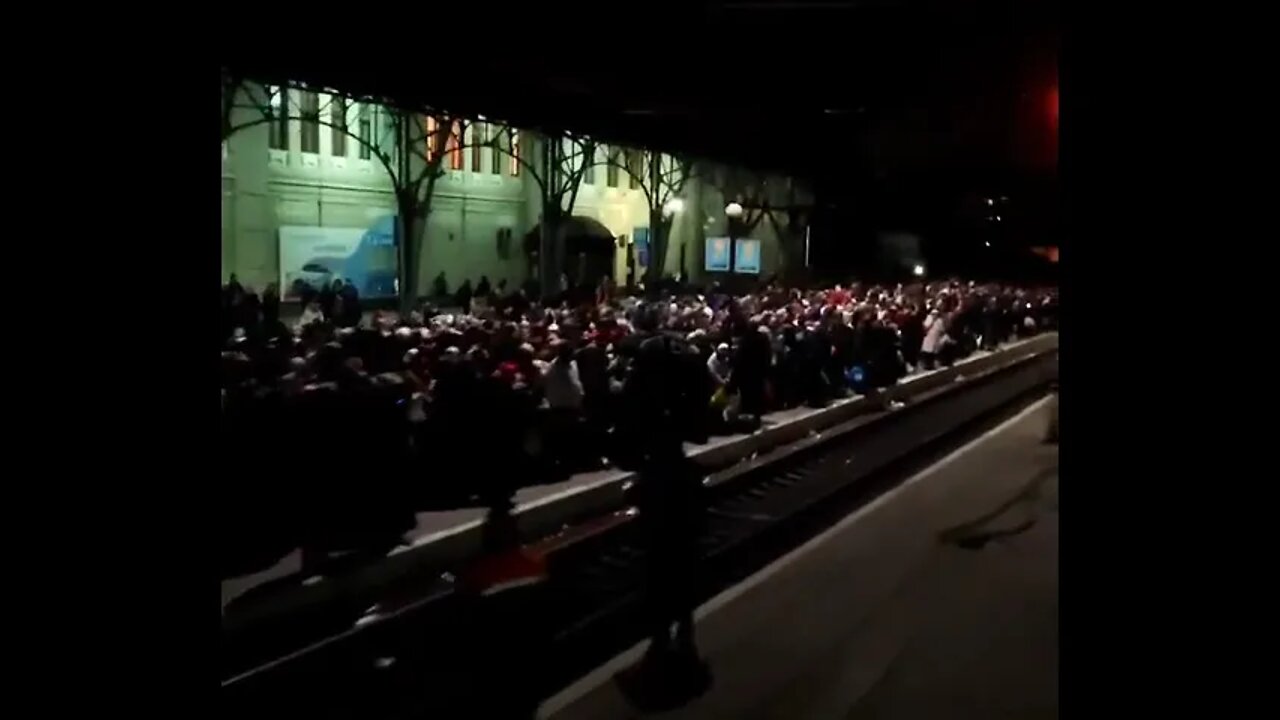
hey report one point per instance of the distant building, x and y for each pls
(292, 173)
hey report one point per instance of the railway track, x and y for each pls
(395, 661)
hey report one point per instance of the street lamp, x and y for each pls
(673, 207)
(733, 214)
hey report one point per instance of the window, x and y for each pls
(515, 153)
(635, 166)
(309, 112)
(453, 145)
(611, 170)
(365, 128)
(478, 131)
(430, 126)
(589, 172)
(563, 155)
(495, 155)
(278, 127)
(389, 124)
(338, 113)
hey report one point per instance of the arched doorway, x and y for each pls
(587, 250)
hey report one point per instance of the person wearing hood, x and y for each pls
(935, 333)
(721, 364)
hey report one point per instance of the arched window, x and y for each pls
(515, 153)
(478, 131)
(279, 125)
(453, 146)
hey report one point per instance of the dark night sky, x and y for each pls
(899, 111)
(906, 85)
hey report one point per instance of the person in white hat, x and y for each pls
(720, 364)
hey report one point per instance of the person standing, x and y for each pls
(329, 297)
(352, 312)
(563, 390)
(463, 297)
(233, 287)
(271, 306)
(911, 327)
(935, 330)
(751, 370)
(663, 399)
(720, 364)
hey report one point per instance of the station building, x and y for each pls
(289, 174)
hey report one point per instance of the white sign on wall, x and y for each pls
(317, 256)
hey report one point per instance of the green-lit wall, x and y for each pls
(264, 189)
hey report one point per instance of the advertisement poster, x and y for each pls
(642, 246)
(317, 256)
(746, 257)
(717, 252)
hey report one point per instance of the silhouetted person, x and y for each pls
(750, 370)
(328, 297)
(814, 354)
(663, 398)
(303, 292)
(440, 287)
(351, 309)
(249, 312)
(463, 297)
(483, 288)
(270, 306)
(879, 353)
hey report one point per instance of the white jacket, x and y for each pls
(309, 316)
(561, 385)
(935, 328)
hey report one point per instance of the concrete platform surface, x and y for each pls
(899, 611)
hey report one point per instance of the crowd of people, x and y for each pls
(357, 421)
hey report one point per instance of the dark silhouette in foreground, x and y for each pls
(658, 395)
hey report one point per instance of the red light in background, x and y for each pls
(1053, 107)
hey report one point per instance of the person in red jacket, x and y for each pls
(506, 593)
(504, 563)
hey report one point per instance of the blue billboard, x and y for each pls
(641, 237)
(717, 254)
(317, 256)
(746, 256)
